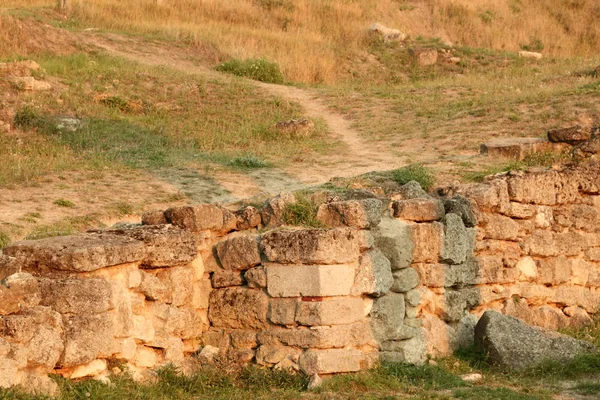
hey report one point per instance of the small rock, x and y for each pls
(432, 362)
(315, 382)
(454, 60)
(572, 135)
(388, 34)
(208, 353)
(471, 377)
(531, 55)
(425, 57)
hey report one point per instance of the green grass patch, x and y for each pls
(253, 68)
(414, 172)
(248, 161)
(487, 393)
(64, 203)
(587, 388)
(533, 160)
(302, 213)
(4, 239)
(65, 227)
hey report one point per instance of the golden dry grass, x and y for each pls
(312, 40)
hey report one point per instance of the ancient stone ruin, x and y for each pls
(399, 278)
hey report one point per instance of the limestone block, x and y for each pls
(238, 308)
(39, 385)
(154, 217)
(491, 270)
(8, 266)
(80, 253)
(309, 280)
(554, 270)
(578, 316)
(127, 349)
(549, 317)
(256, 277)
(273, 209)
(332, 311)
(216, 338)
(441, 338)
(499, 227)
(179, 281)
(580, 272)
(458, 240)
(77, 296)
(165, 245)
(405, 280)
(593, 254)
(9, 373)
(373, 275)
(201, 294)
(324, 337)
(143, 329)
(311, 246)
(225, 278)
(243, 339)
(413, 297)
(412, 351)
(238, 253)
(594, 276)
(393, 238)
(569, 295)
(527, 268)
(457, 302)
(570, 243)
(541, 243)
(544, 217)
(87, 337)
(533, 188)
(360, 214)
(93, 368)
(536, 293)
(174, 351)
(419, 210)
(134, 279)
(331, 361)
(247, 218)
(196, 218)
(283, 311)
(462, 207)
(519, 308)
(153, 288)
(23, 327)
(146, 357)
(520, 211)
(463, 274)
(387, 315)
(19, 291)
(271, 355)
(428, 242)
(181, 322)
(431, 275)
(591, 300)
(365, 238)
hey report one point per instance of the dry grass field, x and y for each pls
(314, 40)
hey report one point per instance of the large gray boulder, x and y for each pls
(512, 344)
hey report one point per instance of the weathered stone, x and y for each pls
(572, 135)
(272, 212)
(154, 217)
(182, 322)
(247, 218)
(92, 368)
(540, 243)
(499, 227)
(374, 275)
(86, 338)
(462, 207)
(405, 280)
(256, 277)
(40, 385)
(82, 253)
(208, 353)
(360, 214)
(393, 238)
(424, 56)
(270, 355)
(243, 339)
(510, 343)
(146, 357)
(309, 280)
(225, 278)
(491, 270)
(153, 288)
(19, 291)
(528, 268)
(201, 293)
(412, 351)
(77, 296)
(388, 34)
(324, 337)
(218, 339)
(178, 280)
(315, 382)
(458, 242)
(519, 148)
(334, 311)
(283, 311)
(311, 246)
(165, 245)
(238, 253)
(366, 240)
(196, 218)
(238, 308)
(387, 316)
(579, 317)
(8, 266)
(413, 297)
(428, 239)
(331, 361)
(9, 373)
(534, 188)
(554, 270)
(419, 209)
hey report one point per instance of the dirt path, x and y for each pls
(358, 156)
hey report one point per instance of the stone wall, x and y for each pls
(396, 278)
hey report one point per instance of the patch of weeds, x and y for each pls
(533, 160)
(588, 333)
(535, 44)
(248, 161)
(4, 240)
(62, 228)
(302, 213)
(123, 208)
(414, 172)
(430, 377)
(486, 393)
(64, 203)
(115, 102)
(581, 366)
(255, 378)
(273, 4)
(487, 16)
(253, 68)
(587, 388)
(476, 358)
(27, 118)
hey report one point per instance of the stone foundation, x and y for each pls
(399, 278)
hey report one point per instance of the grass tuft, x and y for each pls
(4, 239)
(414, 172)
(248, 161)
(64, 203)
(253, 68)
(302, 213)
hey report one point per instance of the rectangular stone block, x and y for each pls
(196, 218)
(311, 246)
(331, 311)
(323, 337)
(427, 239)
(238, 253)
(238, 308)
(309, 280)
(360, 214)
(283, 311)
(331, 361)
(419, 209)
